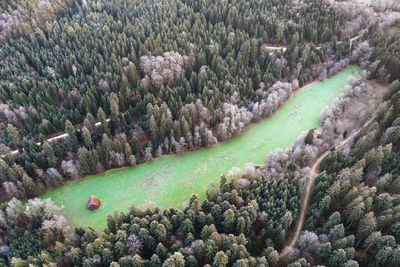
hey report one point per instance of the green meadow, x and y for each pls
(169, 181)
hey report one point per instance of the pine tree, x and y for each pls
(367, 225)
(220, 259)
(83, 157)
(101, 117)
(87, 137)
(114, 118)
(29, 185)
(153, 128)
(70, 130)
(176, 260)
(106, 145)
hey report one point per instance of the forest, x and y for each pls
(155, 88)
(123, 82)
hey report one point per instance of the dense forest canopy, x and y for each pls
(69, 66)
(131, 80)
(121, 82)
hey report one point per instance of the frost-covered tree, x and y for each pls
(167, 69)
(308, 241)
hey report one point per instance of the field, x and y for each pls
(169, 181)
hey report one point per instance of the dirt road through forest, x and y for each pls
(314, 172)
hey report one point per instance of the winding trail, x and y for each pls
(314, 172)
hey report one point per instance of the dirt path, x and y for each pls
(60, 136)
(284, 47)
(314, 172)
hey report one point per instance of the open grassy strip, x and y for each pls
(169, 181)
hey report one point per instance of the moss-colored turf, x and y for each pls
(169, 181)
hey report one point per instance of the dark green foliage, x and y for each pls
(86, 71)
(70, 64)
(281, 202)
(309, 137)
(23, 246)
(387, 46)
(392, 165)
(335, 162)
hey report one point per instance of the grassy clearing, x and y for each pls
(169, 181)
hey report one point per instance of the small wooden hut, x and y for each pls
(93, 203)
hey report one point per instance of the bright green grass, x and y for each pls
(169, 181)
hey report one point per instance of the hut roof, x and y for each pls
(93, 201)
